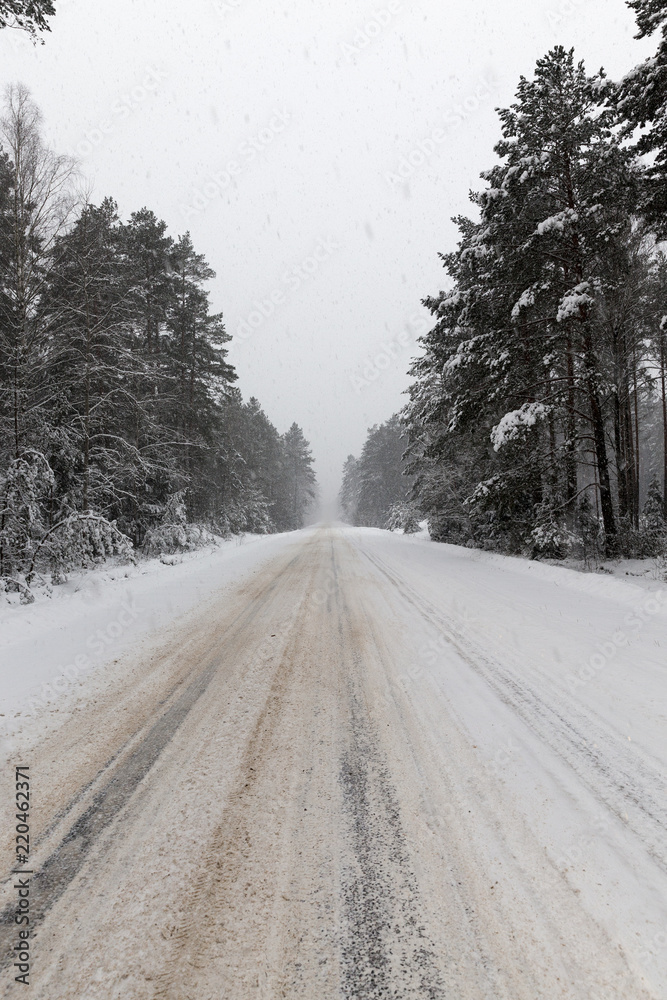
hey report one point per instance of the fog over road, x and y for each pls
(369, 775)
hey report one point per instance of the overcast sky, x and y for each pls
(294, 139)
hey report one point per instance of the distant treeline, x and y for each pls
(375, 491)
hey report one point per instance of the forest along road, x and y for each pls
(368, 776)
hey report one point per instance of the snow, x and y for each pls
(462, 356)
(580, 655)
(522, 707)
(450, 300)
(515, 422)
(557, 223)
(573, 300)
(525, 300)
(493, 192)
(97, 616)
(639, 70)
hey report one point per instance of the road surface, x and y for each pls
(367, 775)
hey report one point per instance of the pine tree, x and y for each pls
(262, 449)
(380, 483)
(299, 484)
(38, 206)
(150, 250)
(87, 311)
(654, 527)
(195, 357)
(28, 15)
(348, 497)
(641, 101)
(520, 364)
(120, 425)
(654, 334)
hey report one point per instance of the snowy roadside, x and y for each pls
(51, 651)
(596, 638)
(649, 573)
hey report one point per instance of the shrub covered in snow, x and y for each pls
(403, 516)
(38, 537)
(649, 539)
(251, 514)
(25, 488)
(549, 538)
(80, 541)
(174, 533)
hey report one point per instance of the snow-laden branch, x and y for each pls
(514, 424)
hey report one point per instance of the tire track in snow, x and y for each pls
(234, 935)
(387, 952)
(570, 737)
(62, 866)
(220, 936)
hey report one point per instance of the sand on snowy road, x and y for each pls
(266, 808)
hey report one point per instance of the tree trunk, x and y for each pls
(571, 432)
(625, 492)
(602, 461)
(86, 441)
(619, 447)
(664, 422)
(636, 468)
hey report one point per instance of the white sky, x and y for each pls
(159, 96)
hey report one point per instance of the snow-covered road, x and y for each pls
(377, 768)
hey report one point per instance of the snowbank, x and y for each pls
(48, 648)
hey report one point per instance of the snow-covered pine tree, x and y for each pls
(558, 141)
(37, 206)
(653, 537)
(655, 334)
(641, 101)
(262, 450)
(298, 487)
(381, 483)
(250, 466)
(28, 15)
(87, 310)
(520, 357)
(348, 497)
(196, 355)
(149, 251)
